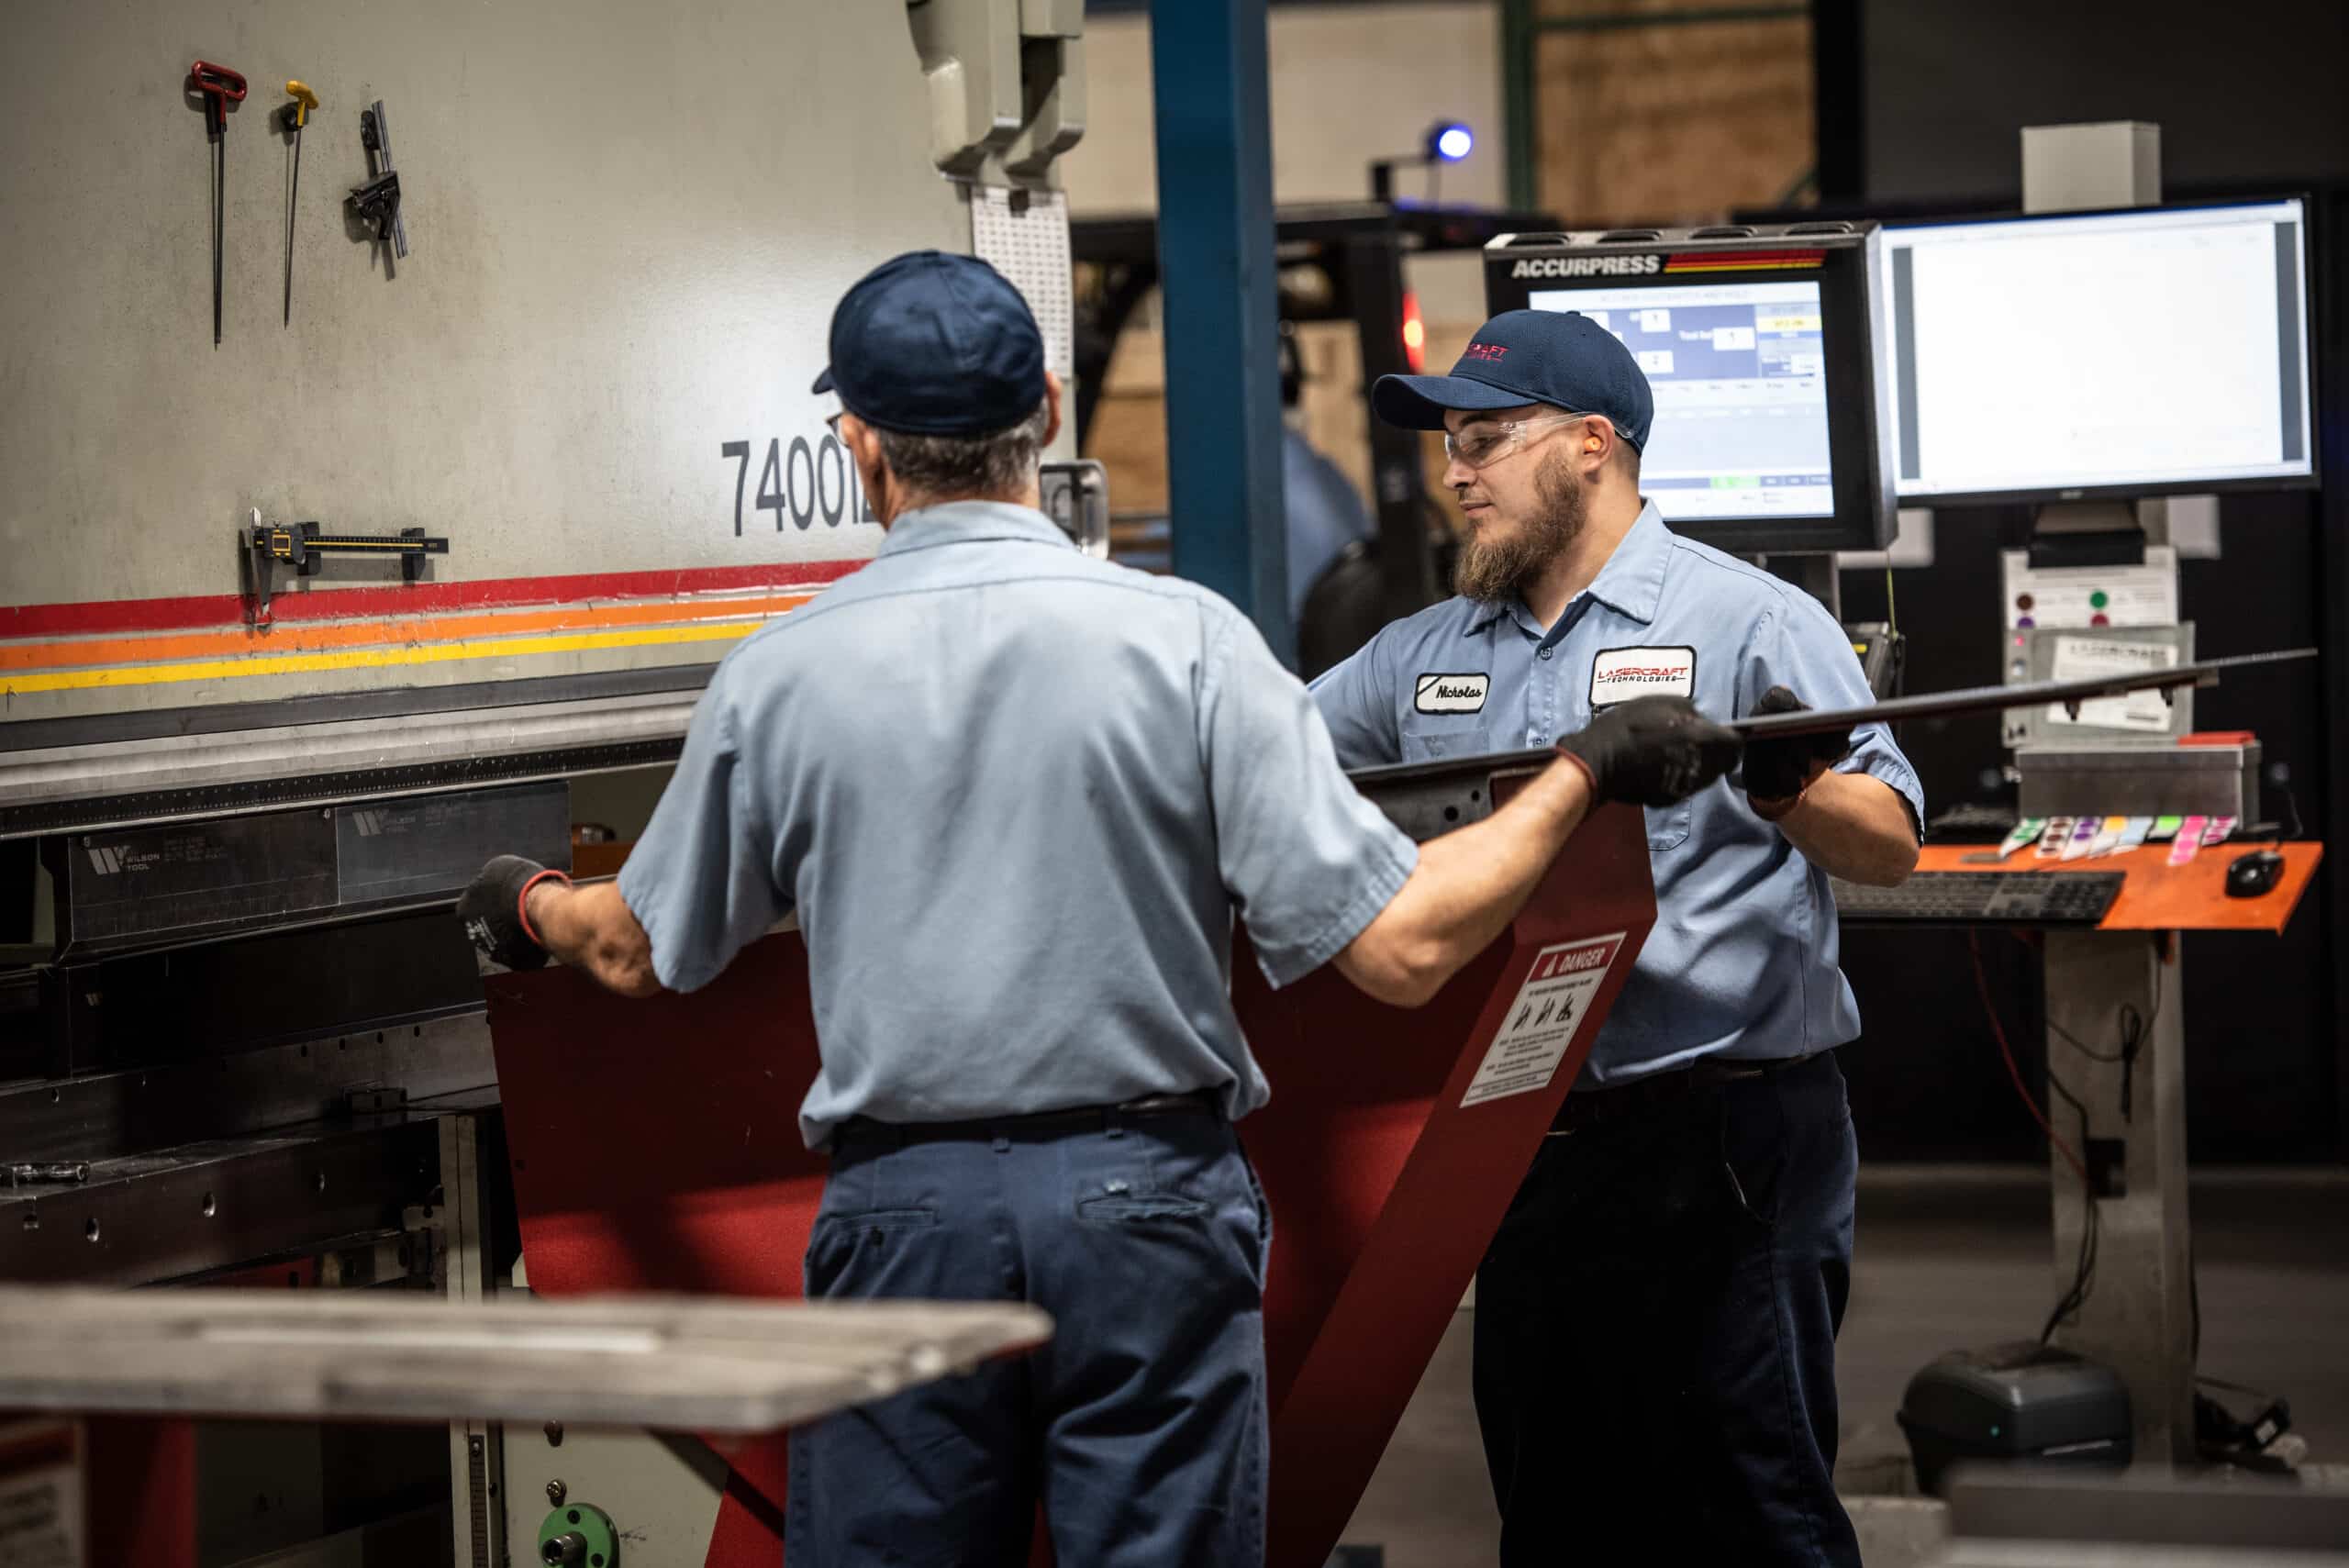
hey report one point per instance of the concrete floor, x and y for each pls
(1946, 1258)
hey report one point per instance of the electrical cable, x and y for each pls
(1998, 1032)
(2076, 1043)
(2084, 1269)
(2135, 1029)
(2075, 1296)
(2292, 804)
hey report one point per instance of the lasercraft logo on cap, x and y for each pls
(1586, 266)
(1484, 351)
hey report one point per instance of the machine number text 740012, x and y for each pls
(803, 482)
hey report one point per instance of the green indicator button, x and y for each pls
(2099, 599)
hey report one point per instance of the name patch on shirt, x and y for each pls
(1618, 675)
(1440, 692)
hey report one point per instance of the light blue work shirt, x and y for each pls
(1743, 960)
(1016, 797)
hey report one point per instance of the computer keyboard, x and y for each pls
(1984, 898)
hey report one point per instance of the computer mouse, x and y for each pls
(2250, 875)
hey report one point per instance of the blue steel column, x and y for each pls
(1220, 275)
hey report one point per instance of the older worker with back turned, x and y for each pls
(1017, 797)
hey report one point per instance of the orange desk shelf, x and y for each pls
(2159, 896)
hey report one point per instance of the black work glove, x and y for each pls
(1651, 750)
(491, 911)
(1777, 772)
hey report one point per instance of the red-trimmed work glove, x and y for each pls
(494, 915)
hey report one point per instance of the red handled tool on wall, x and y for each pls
(220, 87)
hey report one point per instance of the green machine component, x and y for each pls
(578, 1533)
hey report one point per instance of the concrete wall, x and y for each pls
(628, 226)
(1670, 122)
(1349, 83)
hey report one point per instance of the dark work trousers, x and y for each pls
(1141, 1428)
(1655, 1332)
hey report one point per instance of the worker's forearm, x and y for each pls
(1468, 886)
(1855, 827)
(590, 928)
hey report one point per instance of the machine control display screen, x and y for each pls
(1739, 376)
(2028, 356)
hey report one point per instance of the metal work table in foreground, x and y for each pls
(674, 1363)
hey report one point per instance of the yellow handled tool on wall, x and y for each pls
(297, 115)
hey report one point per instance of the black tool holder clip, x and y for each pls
(304, 548)
(377, 202)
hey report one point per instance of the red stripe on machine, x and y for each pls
(103, 616)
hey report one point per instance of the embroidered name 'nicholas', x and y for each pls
(1440, 693)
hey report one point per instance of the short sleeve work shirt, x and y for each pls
(1016, 797)
(1743, 961)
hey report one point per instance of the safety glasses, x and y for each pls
(1483, 444)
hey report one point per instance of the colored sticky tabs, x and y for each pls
(2029, 828)
(2164, 829)
(2218, 829)
(2058, 834)
(2189, 841)
(2083, 836)
(2134, 833)
(2107, 836)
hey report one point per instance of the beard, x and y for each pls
(1497, 568)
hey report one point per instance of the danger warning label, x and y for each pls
(1544, 1019)
(41, 1523)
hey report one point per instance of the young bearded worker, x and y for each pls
(1655, 1322)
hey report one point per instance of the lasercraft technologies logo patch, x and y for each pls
(1618, 675)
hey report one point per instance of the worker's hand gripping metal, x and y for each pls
(1653, 750)
(220, 87)
(495, 914)
(1776, 772)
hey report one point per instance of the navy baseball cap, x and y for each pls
(1559, 357)
(928, 344)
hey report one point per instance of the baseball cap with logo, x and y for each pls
(930, 344)
(1559, 357)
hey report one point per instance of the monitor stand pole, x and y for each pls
(2139, 1318)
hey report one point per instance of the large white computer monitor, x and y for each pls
(2072, 356)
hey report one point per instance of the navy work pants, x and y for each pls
(1655, 1332)
(1141, 1428)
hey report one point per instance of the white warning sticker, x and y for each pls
(1544, 1019)
(41, 1521)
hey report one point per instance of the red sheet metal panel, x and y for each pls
(142, 1491)
(655, 1146)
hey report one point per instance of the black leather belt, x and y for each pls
(1199, 1101)
(1651, 1096)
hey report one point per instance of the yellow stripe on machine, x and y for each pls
(375, 658)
